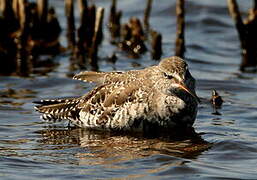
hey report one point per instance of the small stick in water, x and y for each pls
(216, 99)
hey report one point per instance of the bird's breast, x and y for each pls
(168, 106)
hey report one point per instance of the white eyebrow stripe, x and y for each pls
(177, 76)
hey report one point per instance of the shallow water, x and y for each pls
(224, 146)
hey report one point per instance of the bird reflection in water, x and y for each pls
(94, 147)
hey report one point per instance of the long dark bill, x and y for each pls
(182, 86)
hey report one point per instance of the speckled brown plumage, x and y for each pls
(159, 97)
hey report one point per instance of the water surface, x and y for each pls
(224, 145)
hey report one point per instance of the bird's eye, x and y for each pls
(168, 76)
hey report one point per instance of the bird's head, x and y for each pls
(176, 78)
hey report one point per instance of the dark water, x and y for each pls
(226, 145)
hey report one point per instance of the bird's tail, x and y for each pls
(58, 109)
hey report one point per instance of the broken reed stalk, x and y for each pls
(97, 35)
(71, 29)
(89, 34)
(156, 45)
(112, 17)
(82, 5)
(12, 24)
(147, 13)
(23, 15)
(8, 46)
(86, 29)
(114, 22)
(25, 35)
(82, 31)
(180, 40)
(2, 4)
(235, 14)
(24, 62)
(20, 12)
(247, 33)
(91, 26)
(42, 7)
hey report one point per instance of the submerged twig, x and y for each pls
(216, 99)
(216, 102)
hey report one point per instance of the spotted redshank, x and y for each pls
(157, 98)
